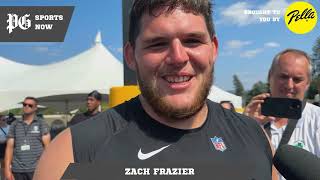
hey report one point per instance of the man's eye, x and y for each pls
(297, 80)
(284, 77)
(192, 42)
(157, 45)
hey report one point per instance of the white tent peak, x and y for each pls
(98, 39)
(93, 69)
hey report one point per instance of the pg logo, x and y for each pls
(300, 17)
(15, 21)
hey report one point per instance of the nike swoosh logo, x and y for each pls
(143, 156)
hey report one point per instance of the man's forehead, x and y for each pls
(292, 59)
(29, 101)
(293, 56)
(294, 67)
(92, 98)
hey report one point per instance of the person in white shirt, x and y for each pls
(317, 96)
(290, 77)
(4, 128)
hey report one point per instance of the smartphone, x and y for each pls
(282, 108)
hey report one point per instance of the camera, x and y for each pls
(10, 118)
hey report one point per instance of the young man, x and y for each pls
(93, 104)
(172, 47)
(290, 77)
(27, 138)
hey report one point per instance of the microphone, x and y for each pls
(296, 163)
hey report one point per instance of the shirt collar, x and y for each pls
(36, 118)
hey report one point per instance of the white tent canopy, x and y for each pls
(65, 84)
(94, 69)
(10, 68)
(217, 95)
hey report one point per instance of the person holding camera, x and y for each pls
(289, 77)
(317, 96)
(10, 118)
(4, 128)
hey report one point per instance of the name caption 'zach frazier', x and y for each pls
(159, 171)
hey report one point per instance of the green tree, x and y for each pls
(238, 87)
(316, 50)
(258, 88)
(312, 91)
(316, 56)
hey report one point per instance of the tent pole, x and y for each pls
(66, 109)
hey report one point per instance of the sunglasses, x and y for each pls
(29, 105)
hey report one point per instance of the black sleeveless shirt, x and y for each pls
(228, 141)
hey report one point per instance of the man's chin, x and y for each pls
(179, 102)
(177, 109)
(27, 113)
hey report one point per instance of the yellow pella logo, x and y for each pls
(306, 14)
(300, 17)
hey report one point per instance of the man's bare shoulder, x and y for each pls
(56, 158)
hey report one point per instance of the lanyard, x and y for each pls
(24, 128)
(3, 131)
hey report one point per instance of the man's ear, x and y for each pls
(215, 45)
(129, 56)
(307, 87)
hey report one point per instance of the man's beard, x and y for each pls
(164, 109)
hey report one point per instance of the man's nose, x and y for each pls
(290, 83)
(177, 53)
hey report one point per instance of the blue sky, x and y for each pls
(246, 45)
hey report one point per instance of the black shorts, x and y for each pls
(23, 176)
(2, 150)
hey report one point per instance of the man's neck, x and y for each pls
(28, 118)
(280, 122)
(193, 122)
(93, 112)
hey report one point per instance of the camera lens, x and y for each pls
(295, 106)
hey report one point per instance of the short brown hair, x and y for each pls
(140, 7)
(32, 98)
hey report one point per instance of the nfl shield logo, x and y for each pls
(218, 143)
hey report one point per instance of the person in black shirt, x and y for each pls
(172, 48)
(93, 104)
